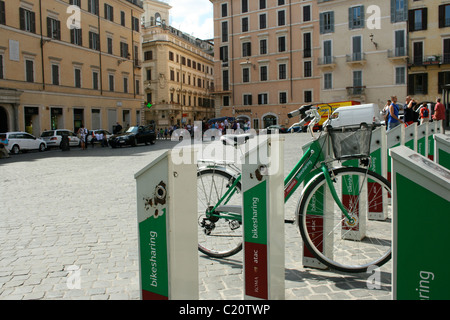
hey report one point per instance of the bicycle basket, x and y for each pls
(351, 142)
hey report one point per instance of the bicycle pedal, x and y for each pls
(234, 224)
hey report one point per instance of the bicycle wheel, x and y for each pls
(217, 237)
(349, 246)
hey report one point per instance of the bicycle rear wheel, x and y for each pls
(349, 246)
(218, 236)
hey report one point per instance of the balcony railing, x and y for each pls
(356, 57)
(326, 60)
(356, 91)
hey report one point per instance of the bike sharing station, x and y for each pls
(263, 220)
(442, 150)
(167, 226)
(421, 198)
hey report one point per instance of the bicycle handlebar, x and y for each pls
(301, 111)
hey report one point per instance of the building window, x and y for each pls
(225, 31)
(356, 17)
(444, 16)
(122, 18)
(399, 10)
(263, 21)
(77, 78)
(125, 85)
(418, 83)
(281, 44)
(135, 24)
(94, 41)
(111, 82)
(244, 24)
(263, 74)
(307, 69)
(53, 29)
(418, 19)
(281, 18)
(443, 79)
(2, 13)
(93, 7)
(307, 45)
(55, 74)
(27, 20)
(283, 97)
(76, 36)
(95, 80)
(326, 22)
(29, 70)
(263, 98)
(328, 81)
(148, 73)
(306, 13)
(246, 49)
(280, 2)
(224, 53)
(262, 4)
(357, 82)
(245, 75)
(282, 74)
(138, 86)
(225, 80)
(400, 75)
(124, 50)
(247, 99)
(244, 6)
(263, 46)
(109, 12)
(307, 96)
(224, 10)
(148, 55)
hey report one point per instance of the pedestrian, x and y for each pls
(3, 144)
(82, 134)
(117, 128)
(439, 112)
(385, 111)
(424, 113)
(408, 111)
(393, 120)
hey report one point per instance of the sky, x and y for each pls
(194, 17)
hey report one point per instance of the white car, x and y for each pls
(102, 131)
(53, 137)
(22, 141)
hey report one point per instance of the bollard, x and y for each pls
(421, 198)
(442, 150)
(378, 164)
(167, 227)
(263, 219)
(422, 139)
(309, 259)
(409, 136)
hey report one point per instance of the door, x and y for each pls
(327, 54)
(400, 47)
(418, 53)
(357, 48)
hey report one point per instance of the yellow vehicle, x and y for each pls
(326, 109)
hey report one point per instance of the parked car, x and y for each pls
(22, 141)
(295, 128)
(53, 138)
(133, 136)
(102, 131)
(274, 128)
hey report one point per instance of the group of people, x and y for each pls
(98, 136)
(412, 112)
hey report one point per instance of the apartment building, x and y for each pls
(364, 50)
(178, 71)
(265, 55)
(64, 63)
(429, 49)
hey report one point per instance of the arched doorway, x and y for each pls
(269, 120)
(4, 127)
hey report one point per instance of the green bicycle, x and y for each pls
(334, 209)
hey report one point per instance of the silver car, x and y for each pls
(53, 138)
(22, 141)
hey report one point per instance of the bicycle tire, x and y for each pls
(325, 232)
(216, 236)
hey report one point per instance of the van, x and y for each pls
(354, 115)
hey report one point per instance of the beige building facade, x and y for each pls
(429, 49)
(178, 72)
(64, 63)
(364, 50)
(266, 55)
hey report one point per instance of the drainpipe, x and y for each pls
(42, 46)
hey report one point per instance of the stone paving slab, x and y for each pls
(78, 208)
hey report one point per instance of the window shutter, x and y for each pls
(425, 83)
(410, 84)
(322, 23)
(411, 21)
(393, 13)
(424, 18)
(332, 21)
(350, 18)
(49, 27)
(442, 16)
(33, 22)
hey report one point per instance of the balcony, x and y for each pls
(356, 59)
(397, 55)
(356, 92)
(327, 62)
(435, 60)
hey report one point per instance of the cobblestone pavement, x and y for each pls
(66, 210)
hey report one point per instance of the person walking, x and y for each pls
(439, 112)
(424, 113)
(3, 144)
(82, 132)
(393, 120)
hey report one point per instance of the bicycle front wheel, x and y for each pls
(342, 244)
(220, 233)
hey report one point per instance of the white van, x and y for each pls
(354, 115)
